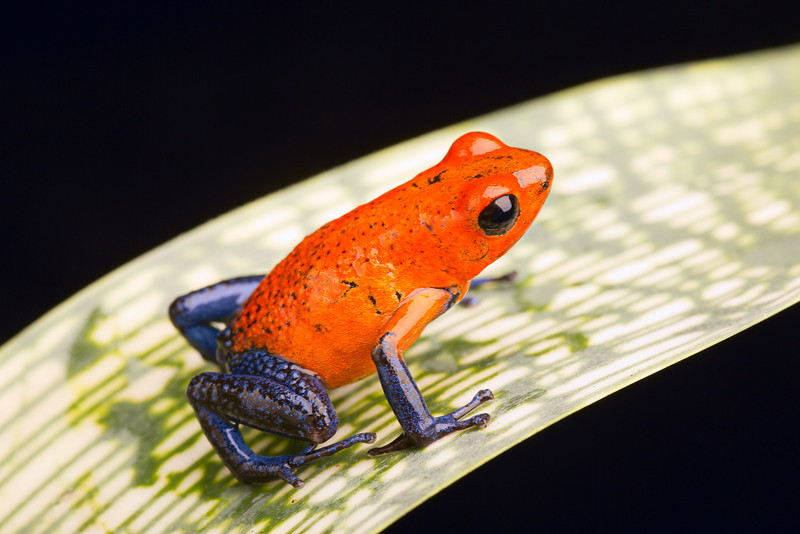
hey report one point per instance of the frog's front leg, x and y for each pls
(268, 393)
(470, 300)
(420, 428)
(194, 313)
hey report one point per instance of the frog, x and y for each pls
(347, 302)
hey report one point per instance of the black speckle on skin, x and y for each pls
(437, 178)
(398, 296)
(349, 283)
(414, 185)
(428, 226)
(375, 304)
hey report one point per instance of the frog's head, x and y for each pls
(495, 192)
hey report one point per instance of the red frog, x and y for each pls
(346, 303)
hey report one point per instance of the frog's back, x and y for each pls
(325, 305)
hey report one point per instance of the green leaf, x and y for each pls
(674, 222)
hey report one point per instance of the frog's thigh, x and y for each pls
(193, 313)
(300, 409)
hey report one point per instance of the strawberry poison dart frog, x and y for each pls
(346, 303)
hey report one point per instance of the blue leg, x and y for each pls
(469, 300)
(194, 313)
(420, 428)
(268, 393)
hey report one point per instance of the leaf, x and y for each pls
(674, 223)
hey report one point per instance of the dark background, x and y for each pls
(123, 127)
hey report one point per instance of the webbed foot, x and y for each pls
(264, 468)
(442, 426)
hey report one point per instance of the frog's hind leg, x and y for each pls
(268, 393)
(195, 313)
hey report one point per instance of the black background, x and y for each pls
(126, 126)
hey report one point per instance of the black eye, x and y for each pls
(498, 217)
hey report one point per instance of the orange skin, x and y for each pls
(327, 304)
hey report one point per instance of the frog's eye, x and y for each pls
(498, 217)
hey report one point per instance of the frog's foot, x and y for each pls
(509, 277)
(469, 301)
(311, 453)
(254, 468)
(441, 426)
